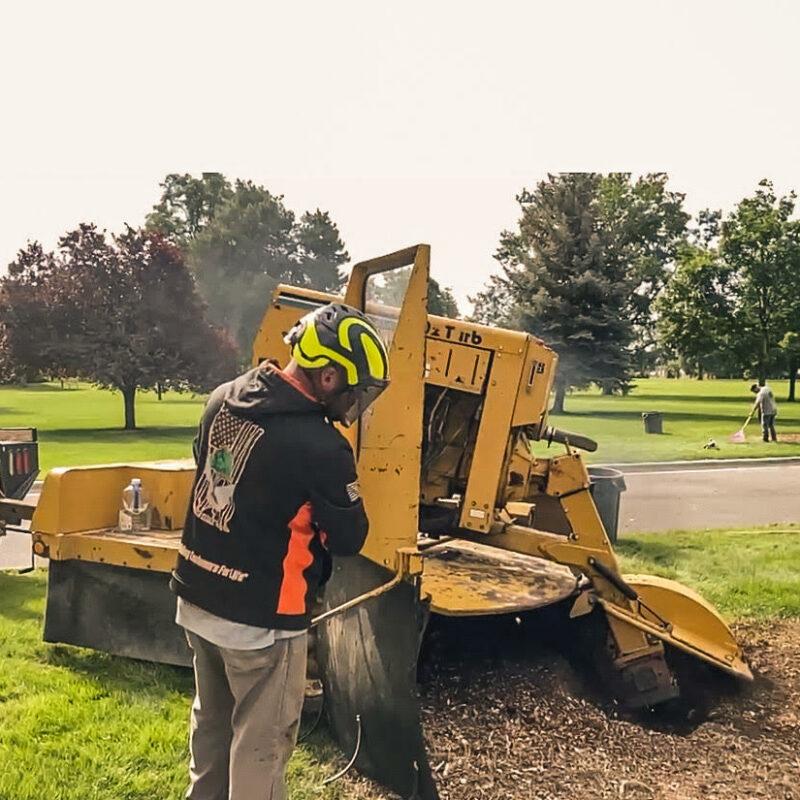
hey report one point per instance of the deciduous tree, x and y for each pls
(187, 205)
(123, 313)
(760, 243)
(253, 243)
(790, 345)
(696, 309)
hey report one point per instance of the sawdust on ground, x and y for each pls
(524, 729)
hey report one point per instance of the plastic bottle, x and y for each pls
(136, 512)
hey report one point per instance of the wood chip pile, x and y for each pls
(528, 728)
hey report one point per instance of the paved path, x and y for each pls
(719, 497)
(659, 500)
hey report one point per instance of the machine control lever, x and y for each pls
(613, 578)
(550, 434)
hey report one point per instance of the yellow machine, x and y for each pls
(464, 521)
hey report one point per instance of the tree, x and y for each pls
(790, 345)
(647, 226)
(695, 310)
(187, 205)
(123, 314)
(253, 243)
(494, 305)
(26, 322)
(567, 284)
(583, 269)
(760, 243)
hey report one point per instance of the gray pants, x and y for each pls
(768, 427)
(245, 717)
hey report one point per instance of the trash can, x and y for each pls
(606, 486)
(653, 421)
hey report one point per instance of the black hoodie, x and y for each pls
(275, 491)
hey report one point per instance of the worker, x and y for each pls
(767, 409)
(274, 495)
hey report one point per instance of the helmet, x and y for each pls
(342, 335)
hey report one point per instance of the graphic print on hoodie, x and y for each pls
(230, 442)
(275, 495)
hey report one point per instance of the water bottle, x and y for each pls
(136, 511)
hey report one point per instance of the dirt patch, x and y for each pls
(514, 728)
(792, 438)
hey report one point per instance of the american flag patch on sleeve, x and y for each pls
(353, 491)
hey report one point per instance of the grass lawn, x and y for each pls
(694, 411)
(80, 725)
(746, 574)
(82, 425)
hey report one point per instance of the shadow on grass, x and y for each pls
(746, 398)
(669, 416)
(663, 554)
(18, 592)
(75, 435)
(118, 674)
(44, 388)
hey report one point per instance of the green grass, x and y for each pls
(82, 425)
(750, 574)
(694, 411)
(81, 725)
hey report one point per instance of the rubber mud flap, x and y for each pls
(119, 610)
(368, 657)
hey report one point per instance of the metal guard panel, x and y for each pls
(118, 610)
(467, 579)
(368, 657)
(156, 551)
(88, 498)
(696, 627)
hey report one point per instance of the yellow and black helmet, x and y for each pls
(342, 335)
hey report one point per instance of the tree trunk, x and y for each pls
(608, 388)
(129, 396)
(764, 359)
(159, 390)
(558, 403)
(792, 378)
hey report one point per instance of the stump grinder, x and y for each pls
(464, 521)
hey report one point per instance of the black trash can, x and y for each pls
(653, 421)
(606, 487)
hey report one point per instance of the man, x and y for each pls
(275, 493)
(768, 410)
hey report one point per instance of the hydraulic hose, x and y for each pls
(550, 434)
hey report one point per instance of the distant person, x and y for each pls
(767, 409)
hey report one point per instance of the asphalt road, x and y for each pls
(662, 500)
(724, 497)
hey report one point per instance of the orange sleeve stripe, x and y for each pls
(292, 598)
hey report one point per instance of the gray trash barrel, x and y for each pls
(652, 421)
(606, 487)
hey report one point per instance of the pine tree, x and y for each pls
(567, 284)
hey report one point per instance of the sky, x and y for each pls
(410, 122)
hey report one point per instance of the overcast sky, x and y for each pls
(409, 122)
